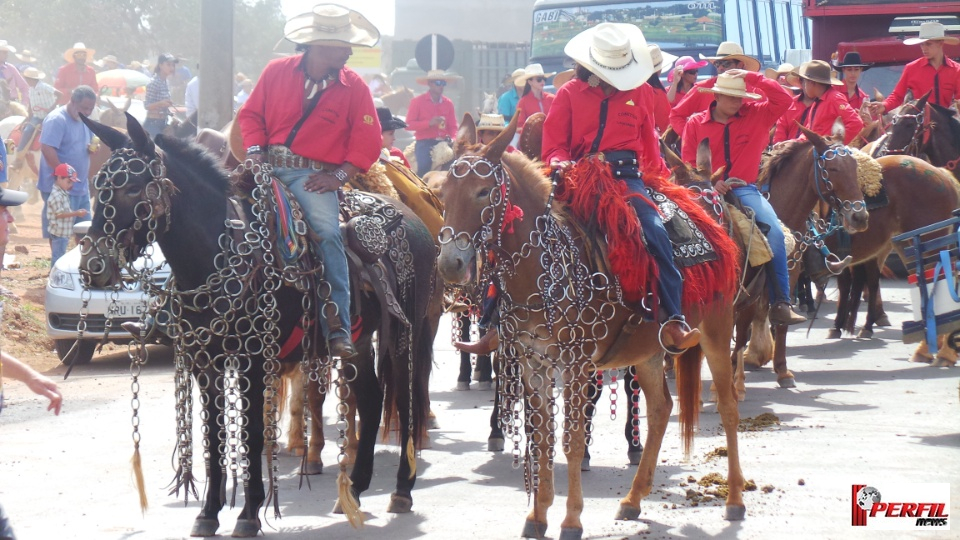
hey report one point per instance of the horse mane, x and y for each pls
(951, 119)
(778, 158)
(196, 158)
(528, 172)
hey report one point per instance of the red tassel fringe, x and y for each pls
(590, 191)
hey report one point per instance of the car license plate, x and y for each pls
(129, 309)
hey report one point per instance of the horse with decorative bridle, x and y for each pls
(246, 297)
(562, 318)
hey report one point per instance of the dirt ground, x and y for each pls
(24, 332)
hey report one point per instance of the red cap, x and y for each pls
(64, 170)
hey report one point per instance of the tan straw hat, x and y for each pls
(4, 46)
(728, 85)
(531, 71)
(615, 52)
(331, 24)
(732, 51)
(783, 69)
(818, 71)
(491, 122)
(33, 73)
(78, 47)
(932, 31)
(662, 60)
(563, 78)
(437, 75)
(517, 77)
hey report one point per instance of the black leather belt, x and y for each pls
(620, 158)
(281, 156)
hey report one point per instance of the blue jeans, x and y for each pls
(58, 246)
(670, 286)
(322, 211)
(750, 196)
(422, 151)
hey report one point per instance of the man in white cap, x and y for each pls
(729, 56)
(507, 104)
(737, 133)
(15, 83)
(314, 120)
(76, 72)
(43, 99)
(933, 72)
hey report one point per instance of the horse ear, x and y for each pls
(877, 96)
(922, 102)
(496, 148)
(466, 135)
(110, 137)
(704, 156)
(818, 142)
(671, 157)
(141, 139)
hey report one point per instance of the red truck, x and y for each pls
(876, 29)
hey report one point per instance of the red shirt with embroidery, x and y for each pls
(786, 126)
(69, 77)
(574, 120)
(343, 128)
(696, 101)
(423, 109)
(825, 110)
(747, 131)
(918, 77)
(529, 105)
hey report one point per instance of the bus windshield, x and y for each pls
(671, 24)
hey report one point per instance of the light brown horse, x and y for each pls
(585, 327)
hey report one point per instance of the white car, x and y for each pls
(64, 300)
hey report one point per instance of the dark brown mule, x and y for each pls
(926, 129)
(485, 184)
(796, 175)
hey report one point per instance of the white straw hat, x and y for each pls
(728, 85)
(531, 71)
(932, 31)
(77, 47)
(732, 51)
(331, 24)
(662, 60)
(615, 52)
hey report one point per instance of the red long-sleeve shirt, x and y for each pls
(696, 101)
(530, 105)
(747, 130)
(786, 125)
(857, 99)
(423, 109)
(825, 110)
(656, 100)
(69, 77)
(343, 128)
(918, 77)
(574, 119)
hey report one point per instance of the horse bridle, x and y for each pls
(489, 233)
(912, 147)
(822, 179)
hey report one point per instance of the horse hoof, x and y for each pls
(571, 533)
(734, 512)
(921, 358)
(494, 445)
(942, 362)
(313, 467)
(485, 385)
(787, 382)
(399, 504)
(463, 385)
(883, 321)
(627, 513)
(337, 509)
(205, 527)
(834, 333)
(532, 529)
(634, 457)
(246, 528)
(585, 464)
(865, 334)
(432, 423)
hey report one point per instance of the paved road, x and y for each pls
(860, 414)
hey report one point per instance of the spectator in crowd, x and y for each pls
(507, 104)
(43, 99)
(60, 217)
(431, 118)
(18, 88)
(8, 197)
(246, 86)
(158, 100)
(76, 72)
(533, 98)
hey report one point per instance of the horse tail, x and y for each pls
(687, 367)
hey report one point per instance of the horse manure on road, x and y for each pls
(759, 423)
(718, 452)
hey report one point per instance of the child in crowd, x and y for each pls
(59, 215)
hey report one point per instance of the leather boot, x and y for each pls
(342, 346)
(485, 345)
(836, 267)
(781, 313)
(676, 336)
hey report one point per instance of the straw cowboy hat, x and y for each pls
(728, 85)
(26, 57)
(932, 31)
(33, 73)
(77, 47)
(4, 46)
(731, 51)
(851, 59)
(331, 24)
(515, 77)
(818, 71)
(437, 75)
(531, 71)
(615, 52)
(662, 61)
(563, 77)
(783, 69)
(491, 122)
